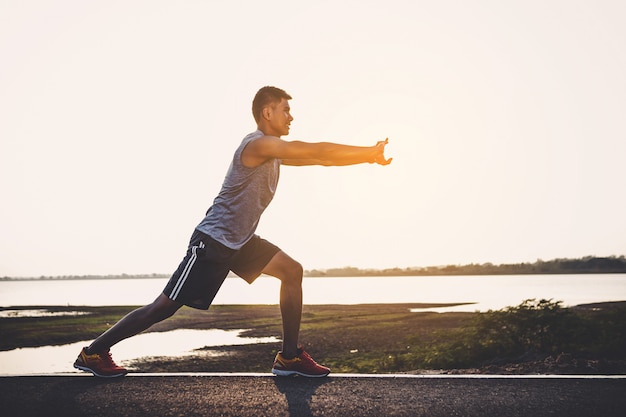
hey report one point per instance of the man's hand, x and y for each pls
(379, 158)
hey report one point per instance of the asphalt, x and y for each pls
(336, 395)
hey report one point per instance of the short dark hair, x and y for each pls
(267, 95)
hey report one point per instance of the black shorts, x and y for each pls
(207, 263)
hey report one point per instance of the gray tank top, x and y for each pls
(245, 194)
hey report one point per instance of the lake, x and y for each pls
(483, 292)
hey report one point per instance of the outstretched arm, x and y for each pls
(305, 153)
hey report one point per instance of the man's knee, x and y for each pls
(285, 268)
(291, 272)
(295, 271)
(163, 307)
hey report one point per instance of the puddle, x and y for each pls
(39, 313)
(177, 343)
(457, 308)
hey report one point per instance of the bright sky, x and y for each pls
(506, 122)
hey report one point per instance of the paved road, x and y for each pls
(264, 395)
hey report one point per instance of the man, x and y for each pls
(225, 239)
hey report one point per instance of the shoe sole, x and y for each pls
(83, 368)
(279, 372)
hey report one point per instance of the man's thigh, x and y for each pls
(252, 259)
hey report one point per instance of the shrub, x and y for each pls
(532, 328)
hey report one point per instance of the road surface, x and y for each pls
(337, 395)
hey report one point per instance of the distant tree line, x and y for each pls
(586, 265)
(85, 277)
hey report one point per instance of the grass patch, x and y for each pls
(367, 338)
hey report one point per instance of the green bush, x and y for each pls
(531, 329)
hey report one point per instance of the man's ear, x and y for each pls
(267, 112)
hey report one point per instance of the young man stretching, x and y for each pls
(225, 239)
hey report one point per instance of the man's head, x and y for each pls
(267, 96)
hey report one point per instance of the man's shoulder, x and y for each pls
(262, 139)
(258, 148)
(257, 134)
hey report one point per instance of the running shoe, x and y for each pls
(303, 364)
(99, 364)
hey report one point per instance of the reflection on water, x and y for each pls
(459, 308)
(39, 313)
(182, 342)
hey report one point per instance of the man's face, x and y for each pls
(280, 119)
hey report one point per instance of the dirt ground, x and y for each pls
(347, 338)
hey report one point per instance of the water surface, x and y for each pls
(476, 292)
(178, 343)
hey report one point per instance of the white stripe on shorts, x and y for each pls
(186, 271)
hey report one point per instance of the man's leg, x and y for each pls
(291, 360)
(96, 357)
(134, 322)
(289, 271)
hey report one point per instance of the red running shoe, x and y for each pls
(99, 364)
(303, 364)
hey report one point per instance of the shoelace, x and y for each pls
(108, 359)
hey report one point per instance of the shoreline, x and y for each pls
(363, 338)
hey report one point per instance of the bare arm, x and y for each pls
(304, 153)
